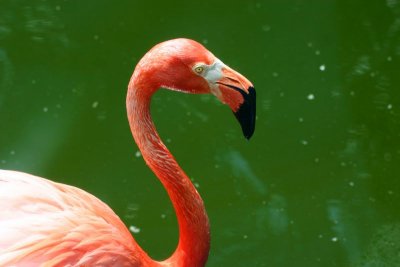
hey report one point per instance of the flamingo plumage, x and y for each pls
(44, 223)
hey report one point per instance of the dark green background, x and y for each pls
(317, 185)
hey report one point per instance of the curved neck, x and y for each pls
(194, 236)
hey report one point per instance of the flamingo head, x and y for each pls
(187, 66)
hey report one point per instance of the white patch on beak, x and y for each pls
(213, 74)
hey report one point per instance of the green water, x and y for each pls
(317, 185)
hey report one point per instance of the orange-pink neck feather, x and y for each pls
(194, 236)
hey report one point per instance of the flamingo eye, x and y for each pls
(198, 69)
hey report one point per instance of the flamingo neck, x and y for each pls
(194, 236)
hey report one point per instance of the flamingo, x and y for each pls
(44, 223)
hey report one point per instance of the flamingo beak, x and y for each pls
(238, 92)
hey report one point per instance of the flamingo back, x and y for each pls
(43, 223)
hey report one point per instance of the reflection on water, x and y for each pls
(275, 215)
(241, 169)
(43, 24)
(383, 249)
(344, 230)
(6, 74)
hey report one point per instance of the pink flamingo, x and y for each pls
(43, 223)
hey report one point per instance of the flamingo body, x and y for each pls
(48, 224)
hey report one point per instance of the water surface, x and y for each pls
(317, 185)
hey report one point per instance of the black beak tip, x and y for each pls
(246, 114)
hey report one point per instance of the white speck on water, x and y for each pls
(351, 183)
(387, 156)
(275, 74)
(390, 192)
(317, 52)
(133, 207)
(281, 94)
(266, 28)
(196, 185)
(58, 8)
(138, 154)
(304, 142)
(163, 216)
(37, 38)
(334, 239)
(309, 44)
(134, 229)
(33, 81)
(168, 140)
(389, 106)
(245, 236)
(96, 37)
(352, 93)
(45, 109)
(102, 116)
(12, 152)
(335, 93)
(266, 104)
(316, 160)
(310, 97)
(95, 104)
(389, 58)
(205, 41)
(301, 119)
(322, 67)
